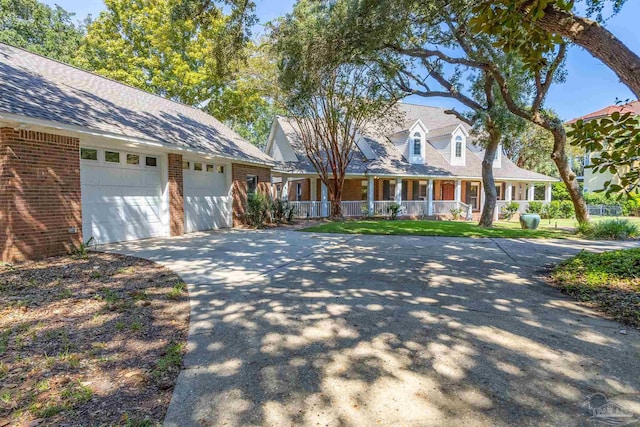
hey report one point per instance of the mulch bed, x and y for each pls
(90, 340)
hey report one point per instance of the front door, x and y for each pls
(447, 190)
(473, 190)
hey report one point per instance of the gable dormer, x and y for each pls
(497, 161)
(278, 146)
(458, 147)
(416, 143)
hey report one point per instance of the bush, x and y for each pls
(510, 209)
(614, 229)
(393, 210)
(456, 213)
(535, 207)
(282, 211)
(631, 205)
(257, 210)
(585, 228)
(567, 210)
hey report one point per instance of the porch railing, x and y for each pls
(354, 209)
(311, 209)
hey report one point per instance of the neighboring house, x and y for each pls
(429, 165)
(595, 181)
(82, 156)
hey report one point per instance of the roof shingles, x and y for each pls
(37, 87)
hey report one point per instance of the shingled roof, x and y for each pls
(36, 87)
(631, 107)
(390, 161)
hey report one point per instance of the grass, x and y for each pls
(177, 291)
(610, 281)
(441, 228)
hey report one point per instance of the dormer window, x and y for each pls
(417, 144)
(458, 146)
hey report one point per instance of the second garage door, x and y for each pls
(207, 204)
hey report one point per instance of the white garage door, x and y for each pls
(121, 195)
(207, 204)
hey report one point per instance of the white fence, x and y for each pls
(604, 210)
(354, 209)
(310, 209)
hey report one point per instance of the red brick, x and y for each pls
(40, 196)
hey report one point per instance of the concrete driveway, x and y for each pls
(291, 328)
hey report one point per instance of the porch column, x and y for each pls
(458, 193)
(508, 194)
(398, 190)
(370, 196)
(324, 197)
(285, 188)
(531, 194)
(547, 193)
(430, 198)
(313, 190)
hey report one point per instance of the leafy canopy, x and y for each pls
(39, 28)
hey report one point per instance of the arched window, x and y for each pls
(417, 144)
(458, 146)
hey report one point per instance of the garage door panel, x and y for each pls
(206, 201)
(121, 202)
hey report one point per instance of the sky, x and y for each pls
(589, 86)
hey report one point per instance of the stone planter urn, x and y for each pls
(529, 221)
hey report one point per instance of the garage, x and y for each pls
(207, 204)
(122, 195)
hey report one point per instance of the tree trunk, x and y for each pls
(490, 192)
(336, 201)
(597, 40)
(559, 156)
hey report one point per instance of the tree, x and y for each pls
(45, 30)
(410, 38)
(332, 99)
(190, 52)
(534, 27)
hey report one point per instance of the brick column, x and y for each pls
(40, 201)
(176, 195)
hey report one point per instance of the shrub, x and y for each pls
(393, 209)
(282, 211)
(614, 229)
(456, 213)
(257, 210)
(585, 228)
(567, 210)
(631, 205)
(535, 207)
(551, 210)
(510, 209)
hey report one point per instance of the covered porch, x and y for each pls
(428, 197)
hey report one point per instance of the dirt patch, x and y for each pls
(89, 341)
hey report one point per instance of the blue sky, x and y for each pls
(590, 85)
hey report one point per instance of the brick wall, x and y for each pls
(40, 201)
(239, 176)
(306, 189)
(176, 195)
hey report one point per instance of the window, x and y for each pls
(458, 146)
(210, 168)
(298, 191)
(88, 154)
(112, 157)
(365, 189)
(220, 169)
(197, 167)
(499, 188)
(252, 184)
(417, 144)
(186, 165)
(151, 161)
(422, 193)
(133, 159)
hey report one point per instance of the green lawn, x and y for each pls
(608, 280)
(445, 228)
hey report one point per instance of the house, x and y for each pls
(82, 156)
(429, 165)
(594, 181)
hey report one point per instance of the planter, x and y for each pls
(529, 221)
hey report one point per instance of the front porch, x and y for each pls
(425, 198)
